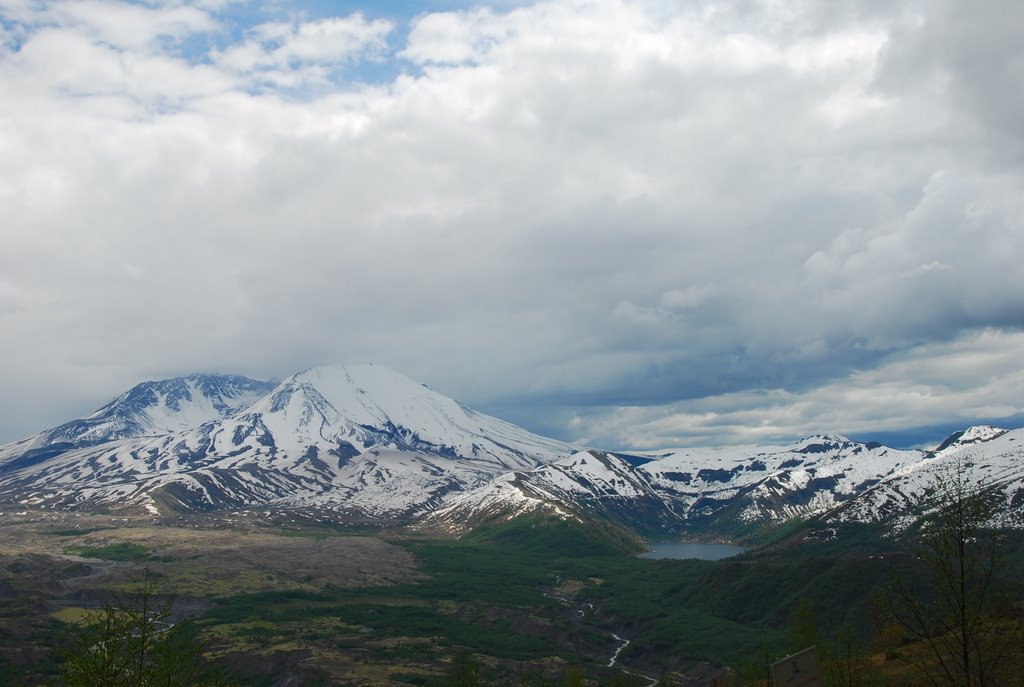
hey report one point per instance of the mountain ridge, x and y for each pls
(366, 441)
(310, 440)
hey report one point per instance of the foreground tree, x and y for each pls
(465, 670)
(949, 614)
(131, 643)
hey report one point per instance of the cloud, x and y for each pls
(129, 26)
(963, 60)
(454, 37)
(973, 377)
(950, 264)
(68, 62)
(287, 54)
(547, 211)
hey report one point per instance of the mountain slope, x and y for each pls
(718, 491)
(736, 491)
(147, 409)
(364, 406)
(991, 457)
(335, 438)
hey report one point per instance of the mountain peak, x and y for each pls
(972, 435)
(161, 406)
(376, 399)
(351, 436)
(821, 443)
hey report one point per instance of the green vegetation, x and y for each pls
(547, 536)
(75, 532)
(132, 643)
(534, 588)
(532, 601)
(121, 551)
(294, 615)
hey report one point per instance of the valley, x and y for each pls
(279, 601)
(348, 526)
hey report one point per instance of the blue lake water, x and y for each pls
(707, 552)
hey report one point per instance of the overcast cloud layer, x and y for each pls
(633, 224)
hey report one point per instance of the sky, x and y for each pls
(633, 224)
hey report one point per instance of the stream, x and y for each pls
(580, 611)
(611, 664)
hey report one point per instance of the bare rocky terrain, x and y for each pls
(55, 567)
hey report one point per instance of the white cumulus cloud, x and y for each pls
(697, 222)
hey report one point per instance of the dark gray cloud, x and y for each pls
(626, 222)
(967, 58)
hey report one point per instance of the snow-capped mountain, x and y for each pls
(354, 408)
(147, 409)
(364, 441)
(337, 438)
(694, 489)
(991, 457)
(777, 482)
(726, 491)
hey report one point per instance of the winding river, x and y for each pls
(669, 549)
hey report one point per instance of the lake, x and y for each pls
(679, 549)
